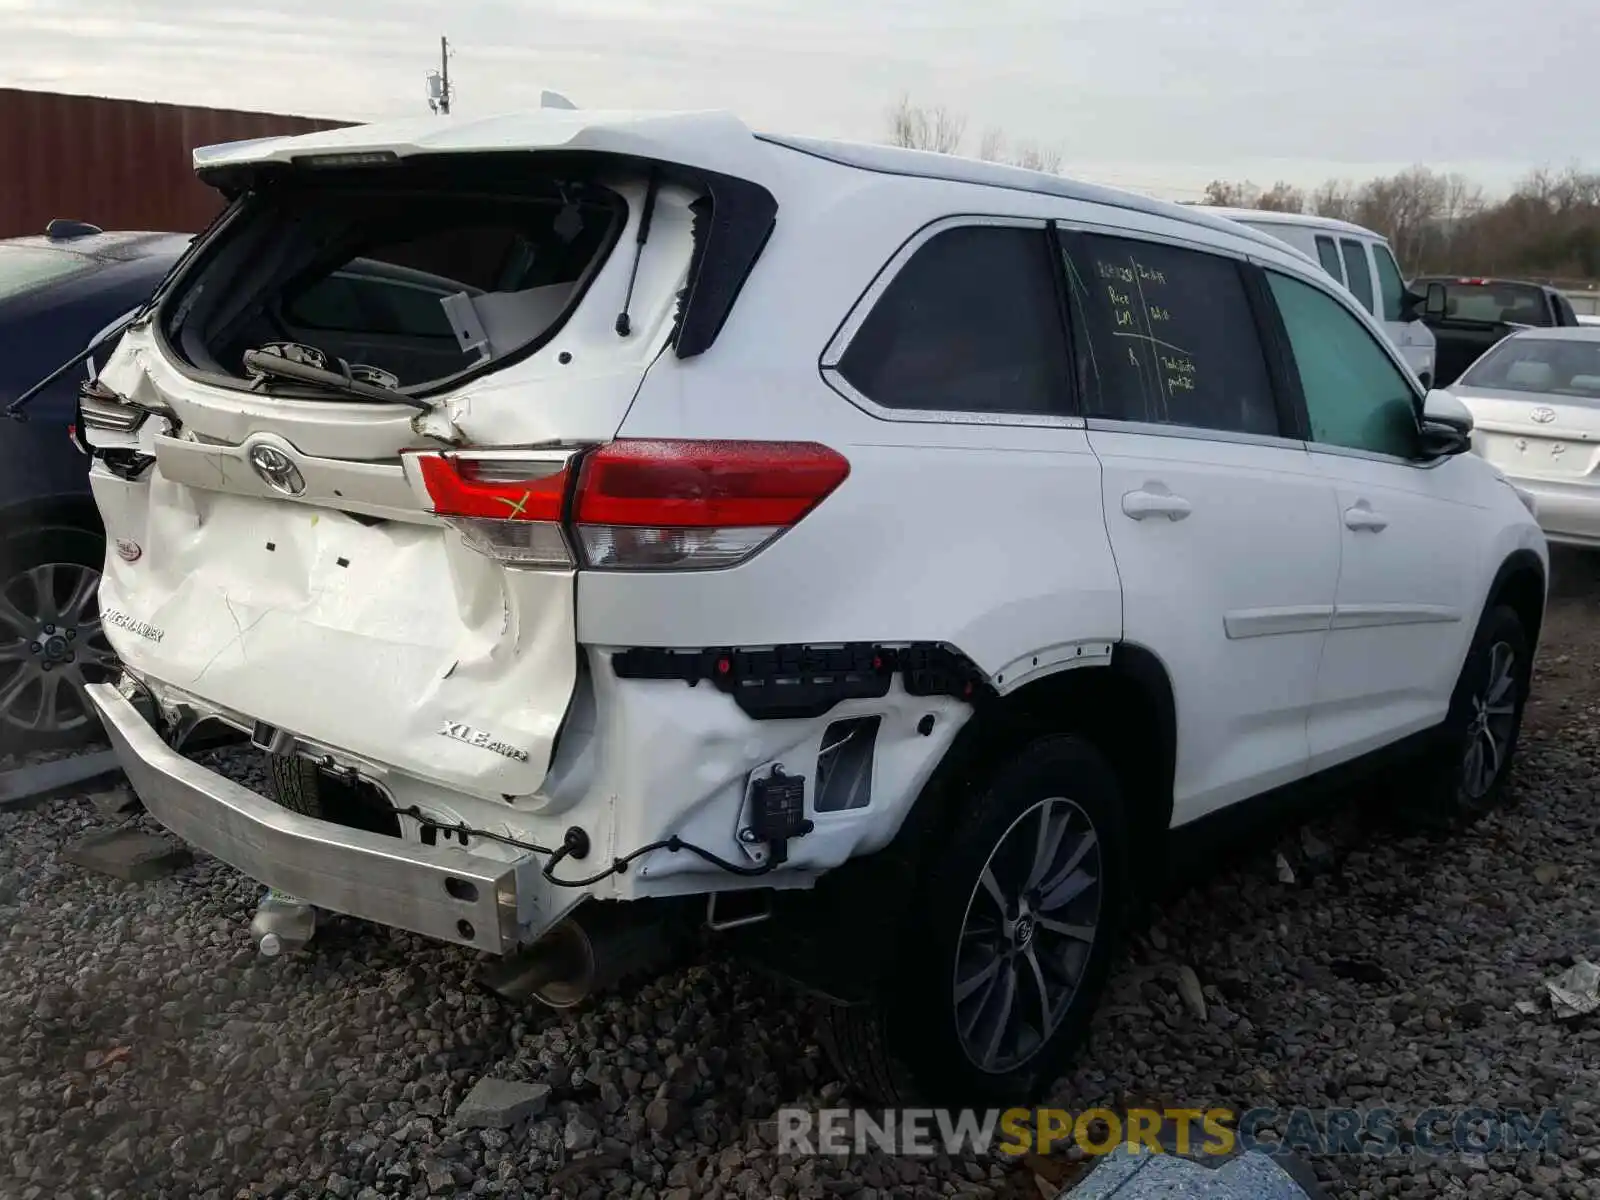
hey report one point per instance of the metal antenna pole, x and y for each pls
(444, 75)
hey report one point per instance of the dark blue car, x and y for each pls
(56, 294)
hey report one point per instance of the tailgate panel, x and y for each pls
(1530, 454)
(368, 637)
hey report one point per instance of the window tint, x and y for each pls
(971, 323)
(1391, 287)
(1357, 274)
(1328, 255)
(1355, 395)
(1166, 335)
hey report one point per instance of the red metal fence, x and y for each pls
(118, 164)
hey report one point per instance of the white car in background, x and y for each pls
(1361, 259)
(1535, 402)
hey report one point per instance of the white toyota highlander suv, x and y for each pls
(619, 525)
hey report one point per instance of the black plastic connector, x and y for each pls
(778, 812)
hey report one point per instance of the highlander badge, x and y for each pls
(1543, 415)
(277, 470)
(477, 737)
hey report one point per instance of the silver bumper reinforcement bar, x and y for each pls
(438, 891)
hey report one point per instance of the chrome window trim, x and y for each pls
(1094, 228)
(1197, 433)
(828, 365)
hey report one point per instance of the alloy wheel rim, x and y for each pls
(1027, 934)
(1493, 720)
(52, 647)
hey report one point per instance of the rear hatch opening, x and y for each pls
(414, 276)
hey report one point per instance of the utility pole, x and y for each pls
(439, 81)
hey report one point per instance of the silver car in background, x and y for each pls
(1535, 402)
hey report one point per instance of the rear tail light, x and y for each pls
(636, 504)
(681, 505)
(506, 504)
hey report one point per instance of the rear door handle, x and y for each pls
(1141, 504)
(1361, 517)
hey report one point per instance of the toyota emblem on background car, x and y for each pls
(1543, 415)
(277, 470)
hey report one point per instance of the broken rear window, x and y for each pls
(423, 273)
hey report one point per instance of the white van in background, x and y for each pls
(1361, 260)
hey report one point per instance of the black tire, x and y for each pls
(906, 1047)
(1446, 787)
(296, 783)
(35, 629)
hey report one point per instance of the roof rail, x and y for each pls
(62, 228)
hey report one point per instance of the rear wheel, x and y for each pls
(51, 642)
(1466, 776)
(995, 978)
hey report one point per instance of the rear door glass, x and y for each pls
(1328, 256)
(1358, 274)
(1166, 335)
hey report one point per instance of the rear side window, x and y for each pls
(1355, 395)
(1391, 287)
(1328, 256)
(971, 323)
(23, 268)
(1166, 336)
(1358, 274)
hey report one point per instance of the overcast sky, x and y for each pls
(1158, 94)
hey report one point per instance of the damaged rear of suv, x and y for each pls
(364, 460)
(619, 527)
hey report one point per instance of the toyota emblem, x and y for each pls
(1543, 415)
(277, 470)
(128, 550)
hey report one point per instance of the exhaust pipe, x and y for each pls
(589, 951)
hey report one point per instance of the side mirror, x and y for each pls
(1410, 306)
(1434, 302)
(1446, 425)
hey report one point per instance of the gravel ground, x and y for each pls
(145, 1051)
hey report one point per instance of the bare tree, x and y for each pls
(1037, 158)
(1334, 199)
(918, 128)
(1222, 194)
(1282, 197)
(992, 146)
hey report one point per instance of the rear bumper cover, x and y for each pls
(440, 892)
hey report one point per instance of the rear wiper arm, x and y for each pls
(342, 381)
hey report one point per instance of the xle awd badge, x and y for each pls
(480, 739)
(277, 470)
